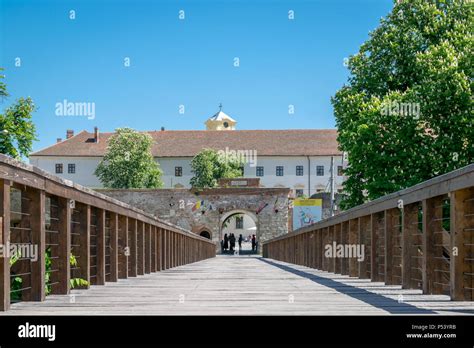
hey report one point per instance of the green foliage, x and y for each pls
(129, 162)
(72, 260)
(208, 166)
(15, 293)
(15, 258)
(16, 282)
(76, 282)
(419, 56)
(17, 131)
(231, 219)
(3, 87)
(47, 275)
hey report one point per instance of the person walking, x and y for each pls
(232, 242)
(254, 243)
(240, 242)
(226, 242)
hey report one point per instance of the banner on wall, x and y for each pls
(306, 212)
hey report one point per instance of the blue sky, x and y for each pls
(177, 62)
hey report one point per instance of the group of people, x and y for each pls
(228, 243)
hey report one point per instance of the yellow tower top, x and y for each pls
(220, 121)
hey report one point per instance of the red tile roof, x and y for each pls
(294, 142)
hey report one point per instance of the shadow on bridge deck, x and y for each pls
(243, 285)
(390, 305)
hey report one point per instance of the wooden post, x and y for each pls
(302, 248)
(461, 288)
(173, 249)
(181, 250)
(153, 248)
(318, 249)
(147, 248)
(166, 253)
(124, 248)
(410, 227)
(334, 262)
(133, 258)
(4, 242)
(64, 248)
(113, 227)
(309, 248)
(37, 203)
(374, 262)
(100, 275)
(186, 251)
(353, 241)
(140, 248)
(178, 249)
(345, 240)
(311, 243)
(159, 249)
(337, 239)
(432, 242)
(325, 240)
(364, 233)
(84, 229)
(170, 249)
(390, 217)
(183, 241)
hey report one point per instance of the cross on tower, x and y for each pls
(220, 106)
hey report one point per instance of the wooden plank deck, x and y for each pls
(243, 285)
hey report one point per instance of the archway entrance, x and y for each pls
(207, 210)
(205, 234)
(238, 228)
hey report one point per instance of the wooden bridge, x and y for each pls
(106, 239)
(419, 238)
(418, 258)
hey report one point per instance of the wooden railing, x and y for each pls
(78, 234)
(421, 237)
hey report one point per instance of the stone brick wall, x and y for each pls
(205, 210)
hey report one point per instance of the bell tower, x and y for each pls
(220, 121)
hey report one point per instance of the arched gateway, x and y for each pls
(205, 212)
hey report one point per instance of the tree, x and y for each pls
(406, 114)
(17, 130)
(3, 87)
(208, 166)
(129, 162)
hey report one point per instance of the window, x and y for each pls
(260, 171)
(71, 168)
(178, 171)
(299, 170)
(239, 222)
(339, 171)
(279, 171)
(298, 193)
(59, 168)
(320, 170)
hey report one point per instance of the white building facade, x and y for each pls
(298, 159)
